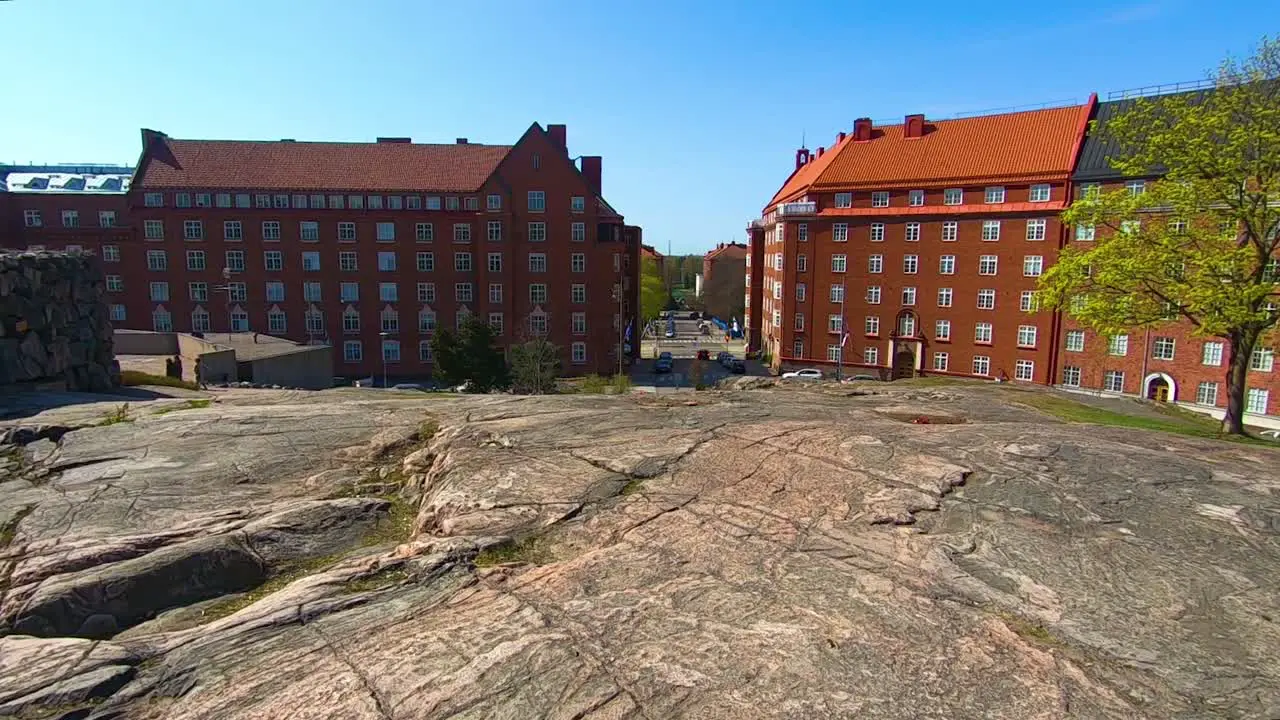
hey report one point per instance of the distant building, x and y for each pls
(63, 206)
(724, 254)
(647, 251)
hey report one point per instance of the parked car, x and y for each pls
(861, 376)
(665, 356)
(662, 365)
(723, 357)
(805, 374)
(704, 354)
(736, 366)
(671, 331)
(694, 315)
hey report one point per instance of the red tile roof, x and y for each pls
(1032, 146)
(276, 165)
(733, 251)
(1054, 206)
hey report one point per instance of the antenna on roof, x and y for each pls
(802, 139)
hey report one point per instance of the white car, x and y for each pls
(805, 374)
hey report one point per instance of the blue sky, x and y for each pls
(697, 108)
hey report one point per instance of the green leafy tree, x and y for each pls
(469, 355)
(1200, 244)
(653, 291)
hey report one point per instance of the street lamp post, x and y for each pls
(382, 350)
(844, 334)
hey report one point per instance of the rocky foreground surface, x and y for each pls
(768, 553)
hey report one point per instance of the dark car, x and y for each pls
(665, 356)
(694, 315)
(662, 365)
(704, 354)
(737, 367)
(724, 357)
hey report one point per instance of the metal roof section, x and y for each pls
(56, 179)
(1094, 164)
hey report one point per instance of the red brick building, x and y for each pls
(63, 206)
(729, 254)
(1168, 362)
(371, 246)
(924, 241)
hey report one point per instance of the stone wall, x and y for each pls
(54, 323)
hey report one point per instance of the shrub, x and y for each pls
(132, 378)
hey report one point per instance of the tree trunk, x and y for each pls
(1241, 349)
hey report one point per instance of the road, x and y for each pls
(684, 348)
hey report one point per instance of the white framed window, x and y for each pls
(577, 204)
(232, 231)
(940, 361)
(118, 313)
(578, 353)
(1130, 227)
(802, 263)
(873, 294)
(388, 292)
(311, 291)
(497, 322)
(386, 261)
(1118, 345)
(494, 261)
(199, 320)
(153, 229)
(1212, 354)
(1085, 233)
(262, 200)
(871, 325)
(578, 232)
(835, 324)
(318, 202)
(161, 320)
(537, 201)
(907, 325)
(390, 320)
(836, 293)
(352, 351)
(1113, 381)
(240, 320)
(578, 262)
(347, 231)
(578, 293)
(834, 353)
(275, 291)
(273, 260)
(494, 228)
(462, 232)
(349, 291)
(390, 348)
(1207, 393)
(578, 323)
(1075, 341)
(800, 292)
(1255, 401)
(988, 264)
(433, 202)
(879, 199)
(982, 333)
(182, 200)
(235, 260)
(944, 297)
(908, 296)
(993, 195)
(157, 260)
(1071, 376)
(311, 261)
(153, 199)
(990, 230)
(915, 198)
(799, 322)
(877, 232)
(537, 262)
(425, 261)
(538, 293)
(348, 262)
(426, 292)
(981, 365)
(495, 293)
(205, 200)
(913, 232)
(237, 291)
(910, 264)
(192, 230)
(1136, 187)
(1032, 265)
(115, 283)
(106, 218)
(797, 349)
(987, 299)
(463, 292)
(159, 291)
(802, 232)
(1090, 191)
(840, 232)
(777, 318)
(1028, 301)
(375, 202)
(1262, 360)
(844, 200)
(538, 324)
(309, 231)
(1027, 336)
(870, 356)
(950, 230)
(386, 232)
(1040, 193)
(270, 230)
(1024, 370)
(462, 262)
(1036, 229)
(1162, 348)
(537, 232)
(198, 291)
(953, 196)
(875, 264)
(838, 263)
(947, 265)
(942, 330)
(110, 253)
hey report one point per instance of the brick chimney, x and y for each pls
(840, 137)
(913, 126)
(802, 157)
(461, 141)
(862, 129)
(591, 170)
(559, 135)
(820, 151)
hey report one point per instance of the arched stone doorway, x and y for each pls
(1160, 387)
(904, 361)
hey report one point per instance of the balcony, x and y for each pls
(794, 209)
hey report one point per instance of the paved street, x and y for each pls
(684, 348)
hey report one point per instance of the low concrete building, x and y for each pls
(230, 357)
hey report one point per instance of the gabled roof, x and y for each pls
(734, 251)
(1098, 148)
(1036, 145)
(306, 166)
